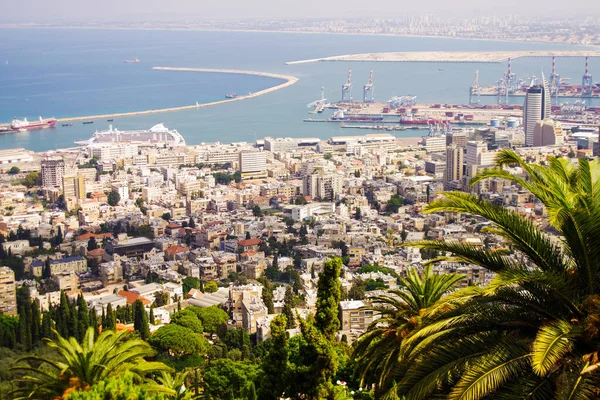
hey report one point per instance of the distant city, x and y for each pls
(581, 31)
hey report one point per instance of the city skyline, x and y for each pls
(186, 10)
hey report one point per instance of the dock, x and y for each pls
(452, 56)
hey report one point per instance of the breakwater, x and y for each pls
(289, 80)
(452, 56)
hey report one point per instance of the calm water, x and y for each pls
(65, 73)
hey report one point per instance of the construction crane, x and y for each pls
(554, 82)
(368, 90)
(500, 88)
(347, 89)
(474, 90)
(586, 81)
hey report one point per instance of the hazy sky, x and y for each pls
(120, 10)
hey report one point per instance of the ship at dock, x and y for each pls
(23, 125)
(339, 116)
(231, 96)
(158, 135)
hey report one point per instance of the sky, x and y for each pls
(135, 10)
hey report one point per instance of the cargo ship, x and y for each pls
(339, 116)
(132, 61)
(25, 125)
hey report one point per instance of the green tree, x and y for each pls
(85, 364)
(267, 298)
(92, 244)
(190, 282)
(394, 204)
(275, 365)
(288, 308)
(111, 319)
(166, 216)
(211, 287)
(227, 379)
(177, 340)
(192, 223)
(328, 298)
(114, 198)
(211, 317)
(256, 211)
(124, 386)
(32, 179)
(377, 354)
(140, 322)
(530, 332)
(161, 299)
(151, 316)
(188, 319)
(14, 170)
(83, 317)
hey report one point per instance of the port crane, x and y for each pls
(347, 89)
(554, 82)
(368, 91)
(586, 81)
(509, 80)
(474, 90)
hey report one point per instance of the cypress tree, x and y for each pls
(328, 298)
(63, 317)
(46, 331)
(83, 316)
(74, 321)
(93, 319)
(192, 223)
(140, 323)
(267, 297)
(275, 363)
(36, 323)
(47, 271)
(288, 308)
(111, 318)
(103, 319)
(59, 236)
(24, 328)
(151, 317)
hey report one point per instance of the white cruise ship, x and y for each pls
(156, 136)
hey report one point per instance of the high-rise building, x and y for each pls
(547, 133)
(454, 163)
(73, 190)
(53, 170)
(322, 185)
(457, 138)
(253, 164)
(537, 107)
(8, 294)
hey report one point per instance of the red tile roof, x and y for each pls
(176, 249)
(249, 242)
(132, 297)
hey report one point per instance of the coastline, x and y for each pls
(524, 40)
(289, 81)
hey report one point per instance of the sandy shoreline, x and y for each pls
(289, 81)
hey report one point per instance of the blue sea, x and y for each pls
(79, 72)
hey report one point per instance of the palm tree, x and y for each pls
(400, 311)
(534, 332)
(85, 364)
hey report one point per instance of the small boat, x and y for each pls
(231, 96)
(88, 122)
(132, 61)
(110, 120)
(67, 124)
(440, 69)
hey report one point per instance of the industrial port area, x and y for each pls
(400, 113)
